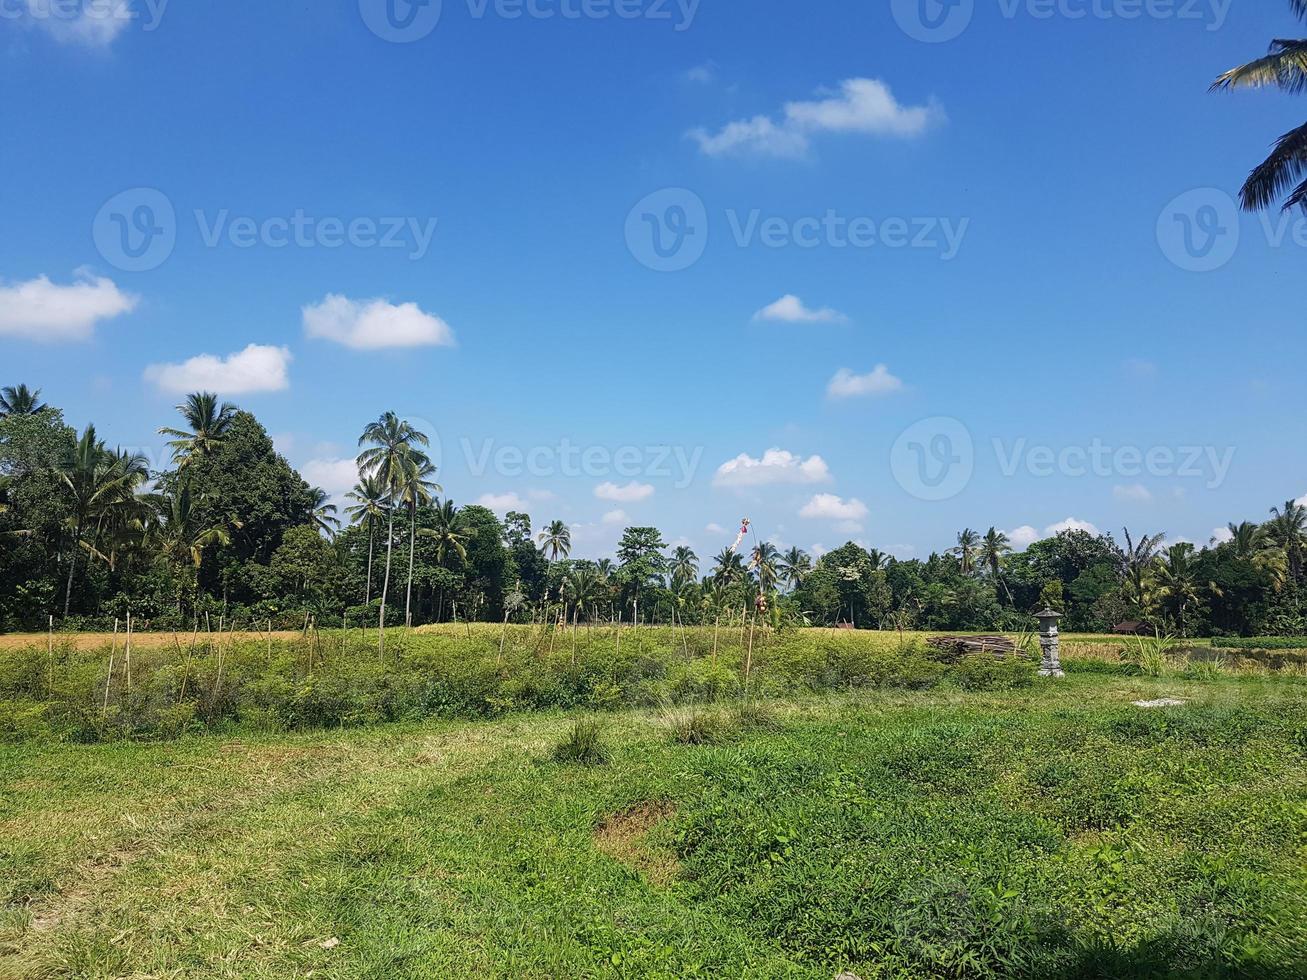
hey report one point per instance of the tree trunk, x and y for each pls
(385, 586)
(367, 592)
(72, 567)
(412, 538)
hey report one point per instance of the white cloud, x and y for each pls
(1022, 537)
(817, 550)
(849, 527)
(862, 105)
(336, 476)
(93, 25)
(1132, 492)
(827, 506)
(877, 383)
(775, 466)
(374, 324)
(1139, 368)
(790, 309)
(614, 517)
(43, 311)
(702, 74)
(1220, 535)
(256, 368)
(1070, 524)
(1302, 501)
(502, 503)
(631, 493)
(715, 528)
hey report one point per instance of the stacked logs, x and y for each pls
(951, 649)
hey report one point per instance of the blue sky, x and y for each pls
(953, 270)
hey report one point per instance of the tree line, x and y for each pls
(231, 532)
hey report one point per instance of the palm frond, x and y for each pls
(1285, 168)
(1284, 66)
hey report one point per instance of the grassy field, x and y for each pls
(1051, 831)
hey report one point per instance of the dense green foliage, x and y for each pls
(1051, 832)
(232, 534)
(1262, 643)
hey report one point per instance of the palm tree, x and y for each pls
(1176, 588)
(449, 537)
(993, 547)
(878, 559)
(1245, 540)
(1285, 68)
(415, 491)
(684, 565)
(729, 567)
(967, 546)
(392, 452)
(94, 480)
(1136, 559)
(795, 566)
(764, 559)
(556, 539)
(1287, 528)
(20, 400)
(182, 531)
(324, 512)
(207, 425)
(371, 503)
(585, 586)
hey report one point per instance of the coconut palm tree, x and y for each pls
(207, 425)
(20, 400)
(324, 512)
(966, 548)
(556, 539)
(878, 559)
(1287, 528)
(1283, 67)
(415, 491)
(1176, 588)
(371, 502)
(391, 451)
(684, 566)
(729, 567)
(1135, 560)
(993, 548)
(1244, 541)
(794, 567)
(182, 530)
(449, 536)
(94, 480)
(763, 560)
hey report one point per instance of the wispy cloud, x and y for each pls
(256, 368)
(1132, 493)
(336, 476)
(790, 309)
(877, 383)
(502, 503)
(374, 324)
(41, 310)
(861, 105)
(827, 506)
(87, 24)
(632, 492)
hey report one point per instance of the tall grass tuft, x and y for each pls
(583, 745)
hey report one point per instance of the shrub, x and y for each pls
(983, 672)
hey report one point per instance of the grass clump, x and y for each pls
(583, 746)
(694, 726)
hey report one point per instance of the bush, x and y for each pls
(1261, 643)
(983, 672)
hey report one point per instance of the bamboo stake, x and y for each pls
(113, 649)
(49, 649)
(128, 652)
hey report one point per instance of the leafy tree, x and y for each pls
(639, 554)
(1287, 529)
(794, 566)
(182, 530)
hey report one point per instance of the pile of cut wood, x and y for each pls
(953, 648)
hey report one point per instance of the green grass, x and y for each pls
(1047, 831)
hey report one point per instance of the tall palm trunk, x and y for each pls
(385, 584)
(412, 538)
(367, 592)
(72, 567)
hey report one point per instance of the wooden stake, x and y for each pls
(49, 648)
(113, 649)
(128, 652)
